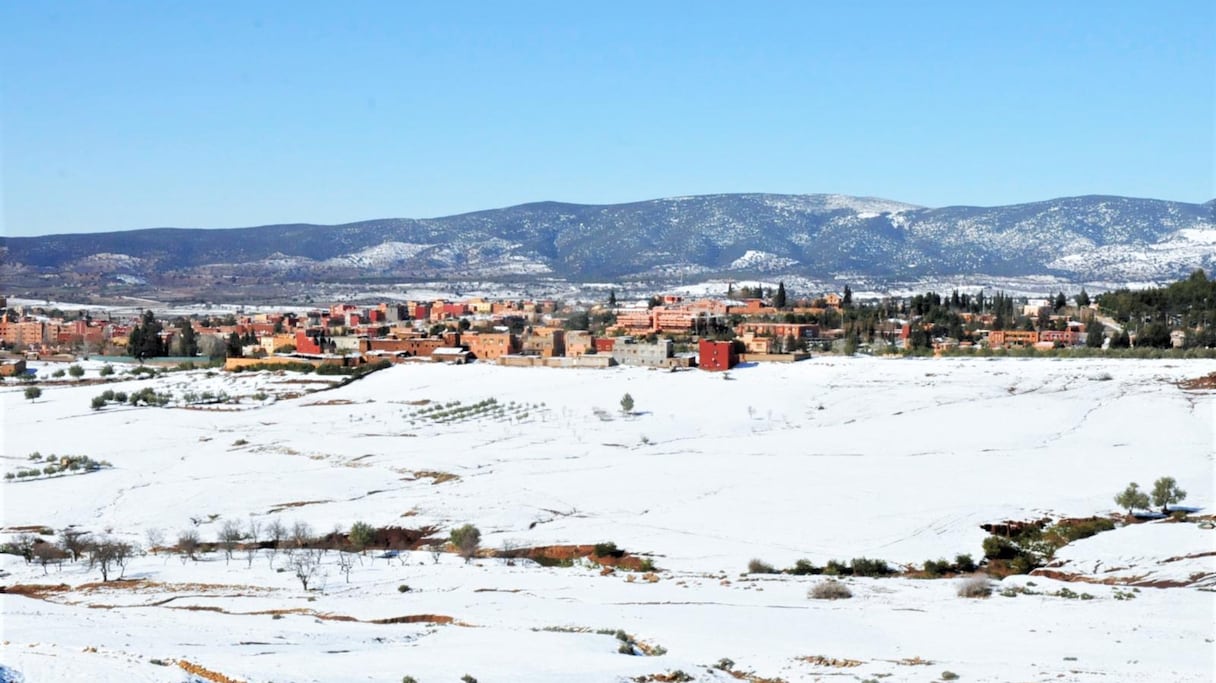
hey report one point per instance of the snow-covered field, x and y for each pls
(827, 459)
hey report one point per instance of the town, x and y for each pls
(747, 325)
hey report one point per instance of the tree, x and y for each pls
(847, 299)
(234, 347)
(627, 404)
(467, 539)
(361, 535)
(1060, 302)
(76, 371)
(1132, 498)
(1082, 299)
(32, 393)
(612, 298)
(1120, 341)
(1095, 332)
(109, 555)
(305, 566)
(145, 341)
(106, 370)
(186, 339)
(1166, 493)
(187, 544)
(74, 542)
(230, 536)
(779, 297)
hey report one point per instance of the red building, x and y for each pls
(717, 355)
(604, 344)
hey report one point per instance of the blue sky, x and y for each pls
(121, 115)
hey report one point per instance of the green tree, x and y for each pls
(1166, 493)
(626, 404)
(76, 371)
(1132, 498)
(1082, 299)
(187, 340)
(847, 299)
(361, 535)
(1060, 302)
(1120, 341)
(467, 539)
(779, 298)
(612, 298)
(1095, 332)
(234, 348)
(32, 393)
(106, 370)
(145, 340)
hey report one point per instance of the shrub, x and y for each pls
(964, 563)
(936, 568)
(467, 539)
(98, 403)
(758, 566)
(804, 568)
(467, 679)
(106, 370)
(361, 535)
(949, 676)
(829, 589)
(975, 587)
(837, 568)
(608, 549)
(997, 548)
(863, 566)
(58, 373)
(76, 371)
(403, 588)
(1024, 563)
(120, 396)
(409, 679)
(626, 403)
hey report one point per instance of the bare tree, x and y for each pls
(305, 565)
(187, 544)
(47, 553)
(109, 555)
(24, 545)
(301, 534)
(230, 536)
(436, 550)
(74, 541)
(155, 538)
(252, 532)
(275, 533)
(346, 563)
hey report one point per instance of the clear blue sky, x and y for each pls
(120, 115)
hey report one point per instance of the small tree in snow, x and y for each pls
(187, 544)
(467, 539)
(305, 565)
(1132, 498)
(32, 393)
(230, 536)
(76, 371)
(1166, 493)
(361, 535)
(626, 404)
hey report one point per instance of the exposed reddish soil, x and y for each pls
(563, 553)
(1199, 383)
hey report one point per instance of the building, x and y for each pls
(490, 346)
(579, 343)
(654, 355)
(999, 339)
(546, 342)
(717, 355)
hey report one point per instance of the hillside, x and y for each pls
(819, 236)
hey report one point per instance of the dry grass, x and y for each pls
(975, 586)
(830, 589)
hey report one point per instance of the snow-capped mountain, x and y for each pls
(819, 236)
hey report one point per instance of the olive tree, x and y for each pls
(467, 539)
(1166, 493)
(1132, 498)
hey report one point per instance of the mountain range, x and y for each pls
(733, 235)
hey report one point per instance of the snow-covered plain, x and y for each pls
(825, 459)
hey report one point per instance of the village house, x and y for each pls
(717, 355)
(659, 354)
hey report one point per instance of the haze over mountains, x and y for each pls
(736, 235)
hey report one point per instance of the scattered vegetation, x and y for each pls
(58, 464)
(466, 539)
(829, 589)
(758, 566)
(976, 586)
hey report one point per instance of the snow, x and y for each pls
(831, 458)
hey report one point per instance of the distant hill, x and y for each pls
(821, 236)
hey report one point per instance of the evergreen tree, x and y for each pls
(188, 340)
(234, 345)
(1094, 334)
(1082, 299)
(1060, 302)
(612, 298)
(144, 340)
(847, 299)
(779, 297)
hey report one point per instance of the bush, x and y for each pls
(837, 568)
(98, 403)
(997, 548)
(975, 587)
(106, 370)
(1024, 563)
(608, 549)
(467, 539)
(804, 568)
(864, 566)
(829, 589)
(936, 568)
(403, 588)
(758, 566)
(964, 563)
(949, 676)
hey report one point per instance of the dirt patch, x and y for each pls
(279, 507)
(29, 529)
(1205, 383)
(331, 402)
(416, 619)
(435, 477)
(41, 591)
(564, 554)
(820, 660)
(205, 673)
